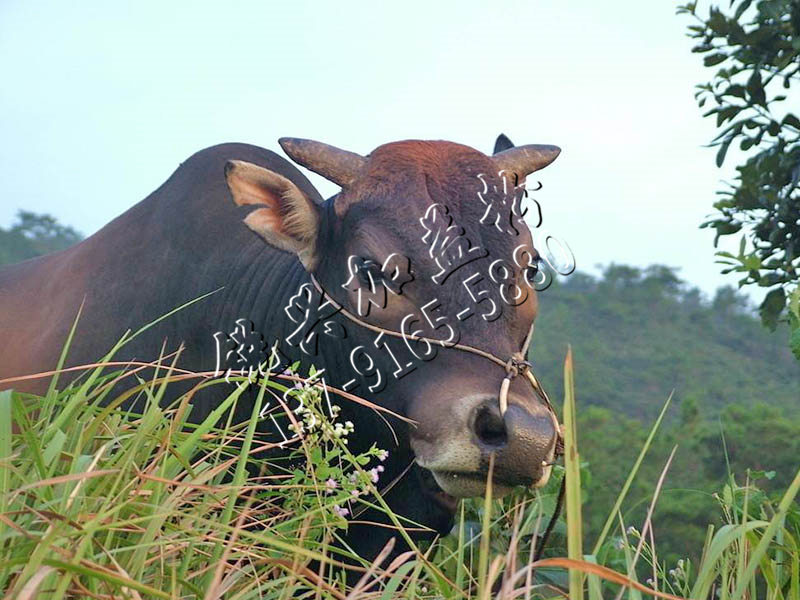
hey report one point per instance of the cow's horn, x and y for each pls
(340, 166)
(524, 160)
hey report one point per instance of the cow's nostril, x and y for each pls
(490, 427)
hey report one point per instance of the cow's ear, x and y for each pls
(287, 218)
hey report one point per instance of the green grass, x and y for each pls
(97, 502)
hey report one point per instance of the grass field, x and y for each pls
(96, 502)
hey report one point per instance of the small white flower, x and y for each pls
(342, 512)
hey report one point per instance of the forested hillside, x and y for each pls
(33, 235)
(636, 336)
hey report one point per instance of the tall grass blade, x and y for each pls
(63, 357)
(483, 557)
(572, 472)
(727, 536)
(241, 469)
(5, 454)
(631, 477)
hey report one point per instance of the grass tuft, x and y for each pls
(100, 502)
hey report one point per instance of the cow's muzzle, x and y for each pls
(522, 440)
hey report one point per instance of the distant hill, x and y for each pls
(637, 334)
(33, 235)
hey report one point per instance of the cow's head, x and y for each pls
(425, 237)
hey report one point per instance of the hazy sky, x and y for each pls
(100, 102)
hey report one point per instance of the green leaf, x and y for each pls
(755, 88)
(735, 90)
(396, 579)
(770, 279)
(794, 343)
(741, 8)
(723, 150)
(794, 304)
(702, 48)
(760, 474)
(791, 120)
(774, 128)
(717, 22)
(771, 308)
(728, 113)
(752, 263)
(724, 228)
(714, 59)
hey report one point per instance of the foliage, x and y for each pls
(33, 235)
(97, 501)
(756, 50)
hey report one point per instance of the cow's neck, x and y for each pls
(263, 286)
(264, 283)
(259, 289)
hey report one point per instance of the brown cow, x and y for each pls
(424, 237)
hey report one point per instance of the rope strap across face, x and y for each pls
(514, 366)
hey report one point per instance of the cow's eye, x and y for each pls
(531, 273)
(369, 271)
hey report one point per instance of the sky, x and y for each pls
(101, 101)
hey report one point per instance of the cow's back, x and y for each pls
(178, 243)
(27, 317)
